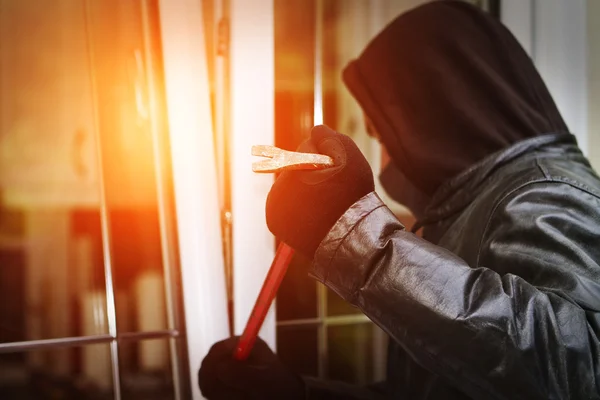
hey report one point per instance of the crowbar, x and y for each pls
(280, 160)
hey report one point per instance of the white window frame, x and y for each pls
(194, 167)
(194, 178)
(252, 122)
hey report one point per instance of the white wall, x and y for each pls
(593, 31)
(554, 33)
(560, 53)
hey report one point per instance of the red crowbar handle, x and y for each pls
(282, 259)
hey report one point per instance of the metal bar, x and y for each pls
(166, 228)
(318, 86)
(322, 335)
(221, 94)
(347, 320)
(222, 99)
(13, 347)
(104, 220)
(166, 333)
(317, 120)
(328, 321)
(298, 322)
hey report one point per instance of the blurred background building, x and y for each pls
(132, 232)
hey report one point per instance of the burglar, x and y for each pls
(500, 299)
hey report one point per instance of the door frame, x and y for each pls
(195, 184)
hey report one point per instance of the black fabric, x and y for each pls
(446, 85)
(303, 205)
(261, 376)
(399, 188)
(501, 297)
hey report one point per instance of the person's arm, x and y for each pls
(492, 335)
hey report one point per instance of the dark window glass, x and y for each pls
(73, 373)
(297, 348)
(145, 368)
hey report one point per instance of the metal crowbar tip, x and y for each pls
(282, 160)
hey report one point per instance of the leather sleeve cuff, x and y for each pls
(343, 242)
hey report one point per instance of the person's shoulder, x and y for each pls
(548, 223)
(574, 172)
(547, 179)
(544, 184)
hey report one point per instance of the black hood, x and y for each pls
(446, 85)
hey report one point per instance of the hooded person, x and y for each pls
(500, 298)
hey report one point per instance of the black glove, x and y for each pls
(261, 376)
(303, 206)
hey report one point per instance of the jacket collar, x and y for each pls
(457, 193)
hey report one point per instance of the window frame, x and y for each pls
(252, 76)
(195, 179)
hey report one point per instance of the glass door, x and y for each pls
(88, 265)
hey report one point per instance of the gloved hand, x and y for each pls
(303, 206)
(261, 376)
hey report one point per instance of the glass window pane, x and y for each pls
(297, 348)
(338, 306)
(145, 368)
(356, 353)
(138, 274)
(124, 44)
(347, 28)
(294, 71)
(51, 258)
(66, 373)
(294, 106)
(297, 295)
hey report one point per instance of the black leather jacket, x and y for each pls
(500, 300)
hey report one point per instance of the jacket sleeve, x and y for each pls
(488, 331)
